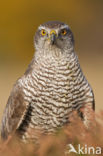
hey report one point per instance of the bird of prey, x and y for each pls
(52, 87)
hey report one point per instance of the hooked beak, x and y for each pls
(52, 37)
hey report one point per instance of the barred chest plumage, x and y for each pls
(54, 88)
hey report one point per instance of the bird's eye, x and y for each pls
(64, 32)
(43, 32)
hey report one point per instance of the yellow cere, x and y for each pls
(53, 32)
(43, 32)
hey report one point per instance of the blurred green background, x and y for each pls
(19, 20)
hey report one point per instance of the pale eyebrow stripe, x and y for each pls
(41, 27)
(64, 26)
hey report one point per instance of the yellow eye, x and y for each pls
(43, 32)
(64, 32)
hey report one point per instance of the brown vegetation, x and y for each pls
(56, 145)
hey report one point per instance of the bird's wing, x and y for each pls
(14, 112)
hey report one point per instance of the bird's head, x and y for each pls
(54, 35)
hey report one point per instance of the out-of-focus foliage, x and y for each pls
(57, 145)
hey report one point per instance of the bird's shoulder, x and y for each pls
(15, 110)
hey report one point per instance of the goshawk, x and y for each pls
(52, 87)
